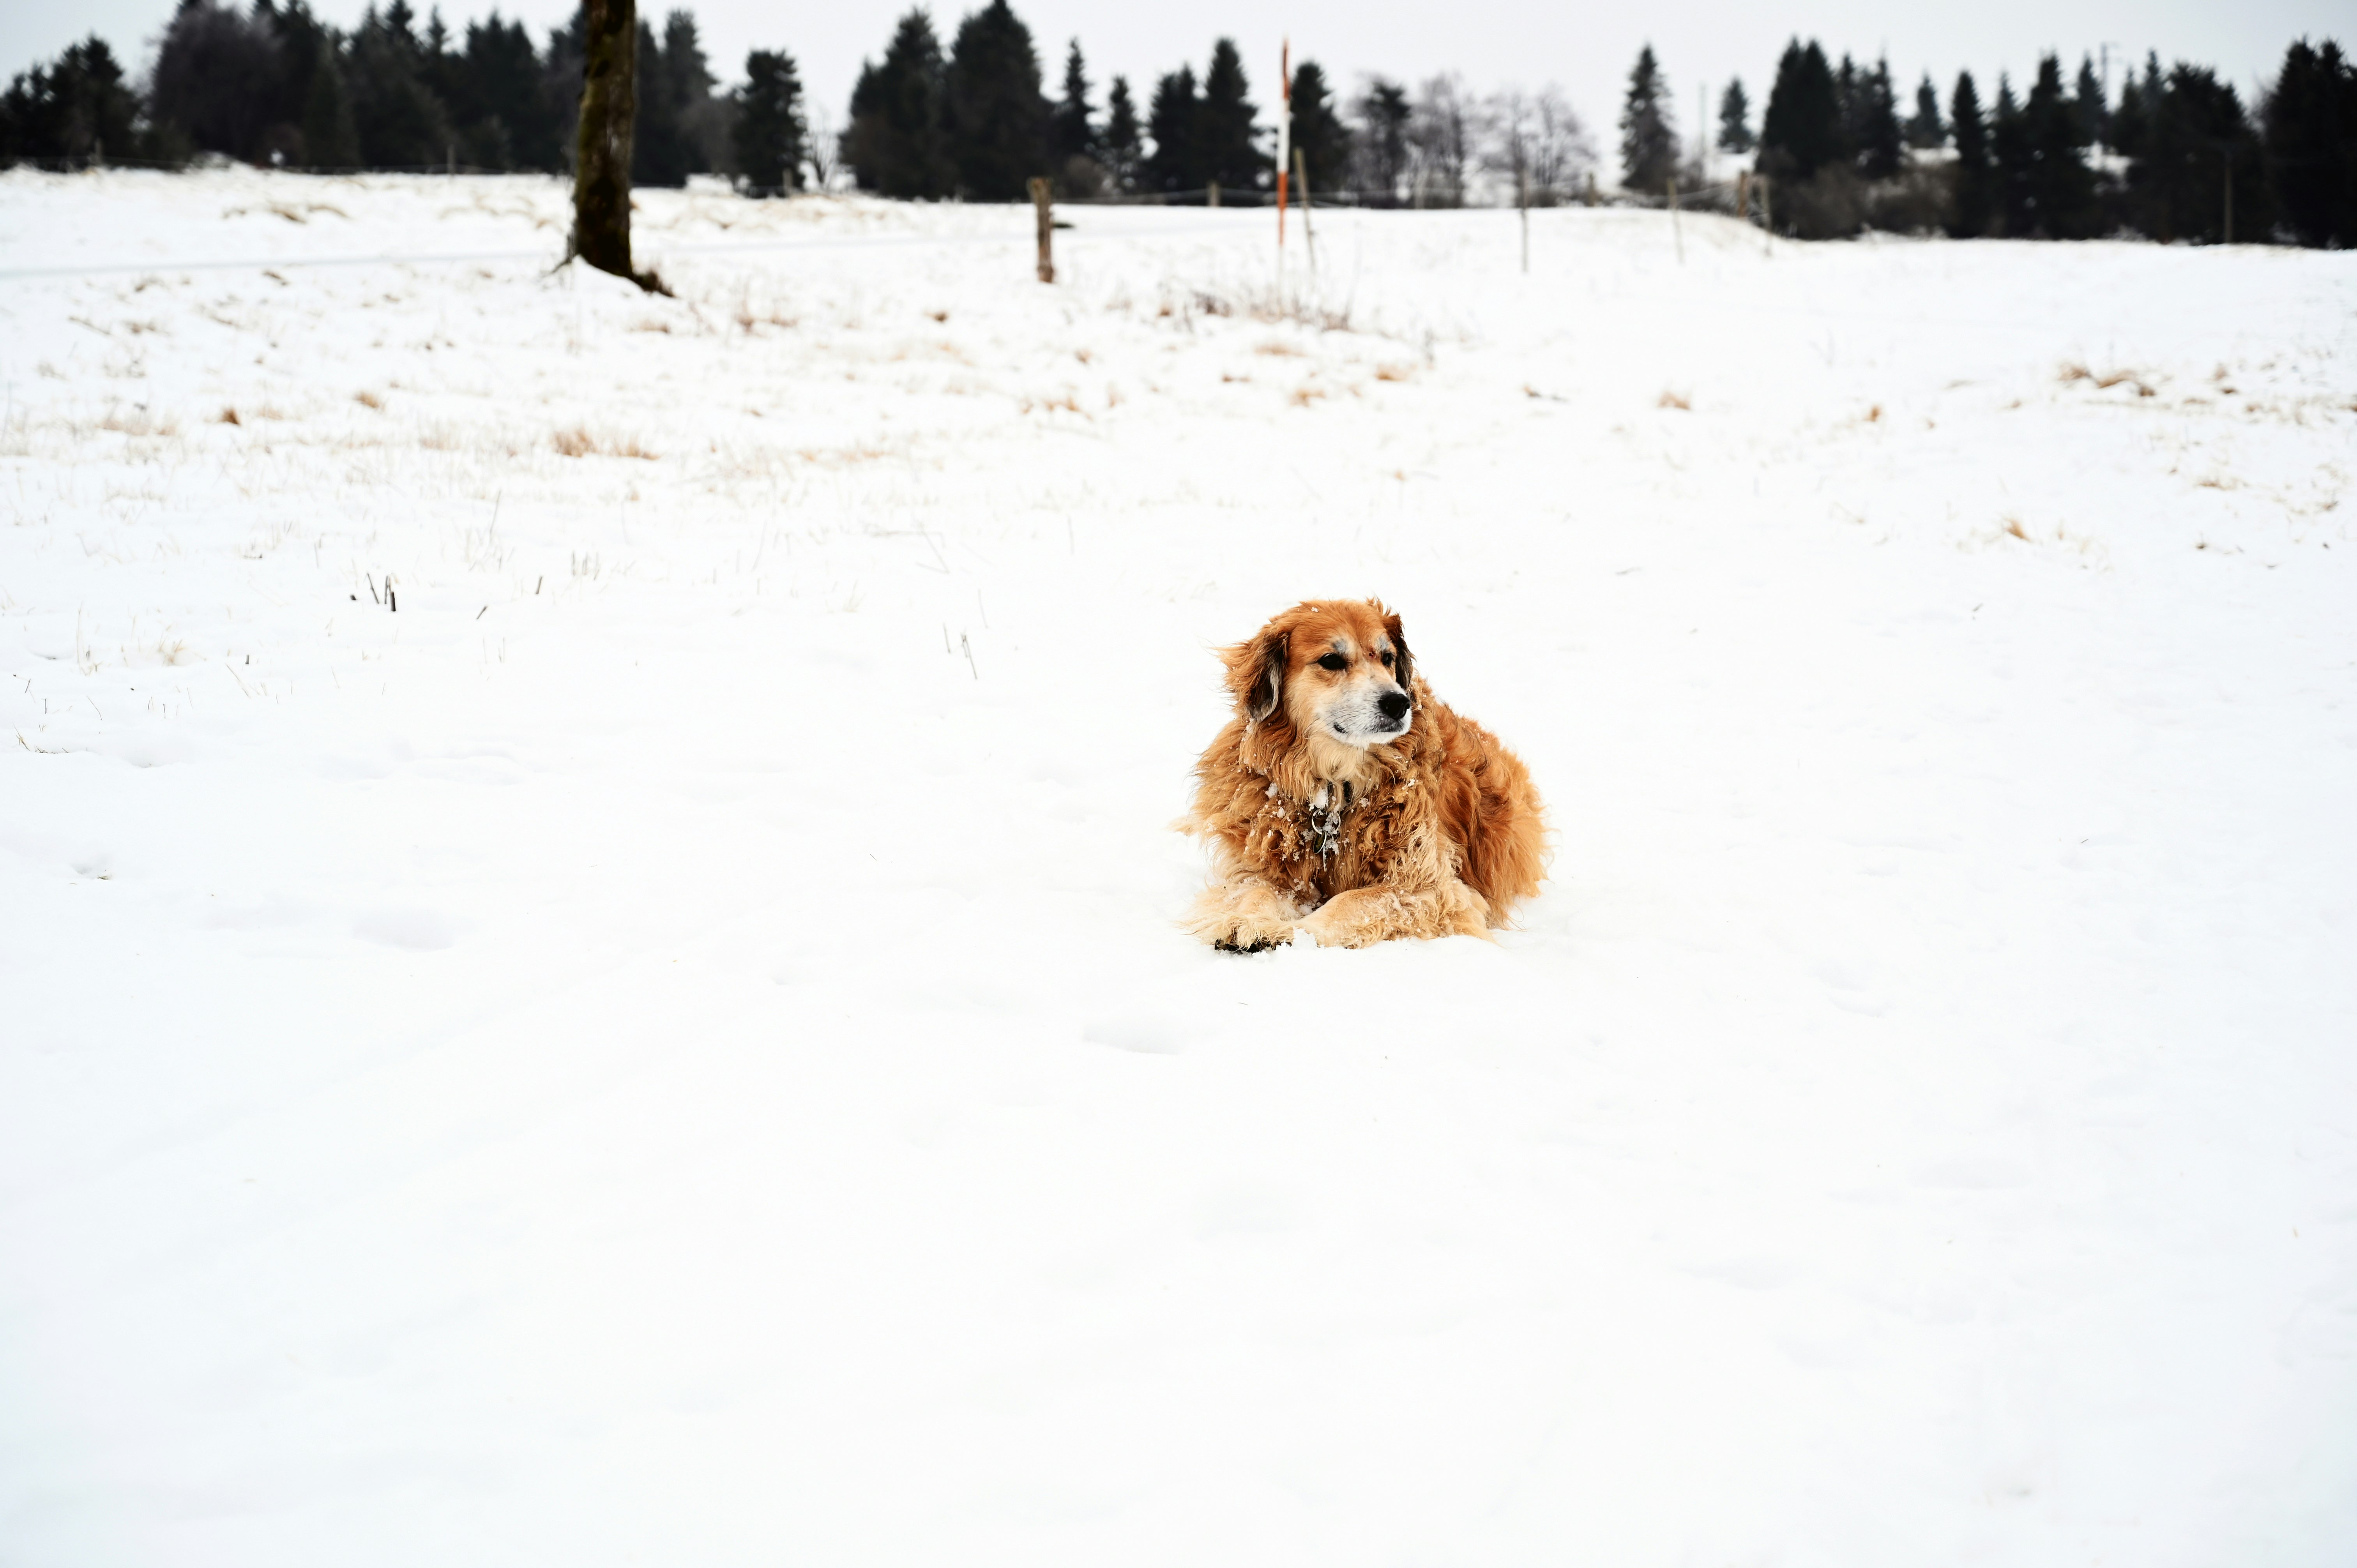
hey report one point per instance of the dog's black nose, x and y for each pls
(1393, 705)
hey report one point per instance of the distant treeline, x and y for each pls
(275, 85)
(2175, 154)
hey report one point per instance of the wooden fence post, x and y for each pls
(1523, 200)
(1675, 233)
(1039, 204)
(1211, 193)
(1743, 196)
(1301, 180)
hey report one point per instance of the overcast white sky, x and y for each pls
(1491, 42)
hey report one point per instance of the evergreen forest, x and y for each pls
(2171, 152)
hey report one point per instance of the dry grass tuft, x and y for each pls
(1394, 372)
(368, 399)
(1304, 395)
(2013, 526)
(138, 422)
(1278, 351)
(1260, 303)
(1676, 400)
(228, 416)
(2104, 381)
(293, 211)
(939, 315)
(578, 442)
(747, 316)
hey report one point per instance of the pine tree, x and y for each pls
(400, 119)
(1976, 190)
(1230, 149)
(2128, 121)
(2196, 141)
(213, 77)
(1124, 151)
(501, 115)
(672, 81)
(303, 42)
(1735, 119)
(1318, 131)
(894, 145)
(2011, 152)
(1174, 122)
(996, 116)
(768, 133)
(330, 140)
(703, 117)
(2061, 189)
(1649, 141)
(2093, 113)
(1925, 130)
(1801, 131)
(78, 107)
(1878, 141)
(2310, 120)
(1074, 134)
(1853, 116)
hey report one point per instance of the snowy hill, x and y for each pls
(669, 1043)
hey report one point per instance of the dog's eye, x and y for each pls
(1387, 660)
(1334, 661)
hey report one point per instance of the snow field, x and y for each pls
(671, 1045)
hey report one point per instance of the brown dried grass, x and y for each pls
(577, 442)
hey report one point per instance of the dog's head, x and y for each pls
(1337, 668)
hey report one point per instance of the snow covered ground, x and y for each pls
(671, 1045)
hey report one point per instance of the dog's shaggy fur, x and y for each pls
(1346, 801)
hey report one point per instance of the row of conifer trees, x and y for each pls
(274, 84)
(2175, 154)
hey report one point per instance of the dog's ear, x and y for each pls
(1257, 674)
(1402, 661)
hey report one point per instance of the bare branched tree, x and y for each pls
(1507, 129)
(1561, 153)
(1533, 137)
(1440, 142)
(823, 149)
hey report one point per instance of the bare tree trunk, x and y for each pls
(601, 168)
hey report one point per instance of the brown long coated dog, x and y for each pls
(1346, 801)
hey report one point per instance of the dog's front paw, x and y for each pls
(1244, 934)
(1323, 930)
(1243, 920)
